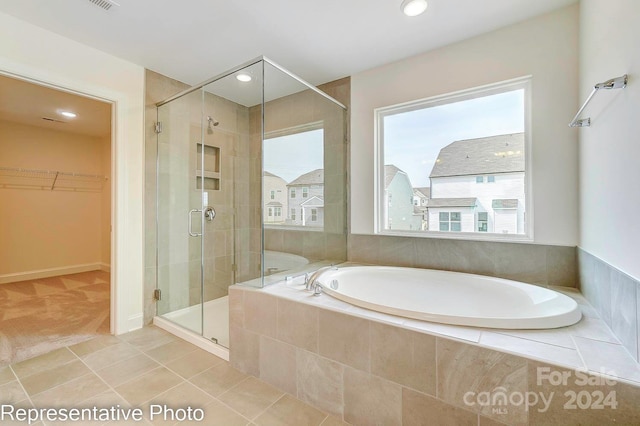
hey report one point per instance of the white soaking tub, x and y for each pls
(451, 297)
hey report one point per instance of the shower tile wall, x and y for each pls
(297, 110)
(231, 136)
(615, 296)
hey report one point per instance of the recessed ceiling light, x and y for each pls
(243, 77)
(68, 114)
(413, 7)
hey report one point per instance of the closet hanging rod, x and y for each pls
(614, 83)
(51, 172)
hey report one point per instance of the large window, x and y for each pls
(468, 152)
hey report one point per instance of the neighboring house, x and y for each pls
(420, 201)
(275, 198)
(421, 196)
(398, 201)
(305, 197)
(477, 185)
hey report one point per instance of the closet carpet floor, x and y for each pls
(42, 315)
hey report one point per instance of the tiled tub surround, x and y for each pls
(530, 263)
(615, 296)
(373, 368)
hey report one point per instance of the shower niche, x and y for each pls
(208, 178)
(211, 157)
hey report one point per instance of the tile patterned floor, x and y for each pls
(39, 316)
(151, 366)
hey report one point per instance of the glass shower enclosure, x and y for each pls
(216, 212)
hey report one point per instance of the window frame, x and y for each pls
(522, 83)
(484, 221)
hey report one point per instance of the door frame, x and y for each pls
(120, 320)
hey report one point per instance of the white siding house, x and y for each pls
(275, 199)
(399, 210)
(481, 182)
(305, 198)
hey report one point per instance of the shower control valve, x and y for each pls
(209, 214)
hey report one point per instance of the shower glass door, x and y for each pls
(209, 160)
(180, 218)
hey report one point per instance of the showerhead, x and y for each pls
(212, 122)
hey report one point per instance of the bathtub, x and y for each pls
(450, 297)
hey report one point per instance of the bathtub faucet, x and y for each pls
(311, 283)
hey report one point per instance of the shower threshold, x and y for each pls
(215, 338)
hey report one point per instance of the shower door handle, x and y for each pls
(193, 234)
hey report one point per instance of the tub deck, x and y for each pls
(588, 345)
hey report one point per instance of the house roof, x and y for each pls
(505, 203)
(452, 202)
(490, 155)
(315, 177)
(424, 191)
(390, 172)
(314, 201)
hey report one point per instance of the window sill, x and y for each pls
(469, 236)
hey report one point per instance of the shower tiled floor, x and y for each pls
(41, 315)
(151, 366)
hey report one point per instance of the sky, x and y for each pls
(293, 155)
(412, 140)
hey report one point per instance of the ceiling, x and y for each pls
(320, 40)
(35, 105)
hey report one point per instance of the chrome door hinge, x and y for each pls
(159, 127)
(157, 294)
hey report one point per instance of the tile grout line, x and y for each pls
(101, 379)
(271, 405)
(216, 397)
(22, 387)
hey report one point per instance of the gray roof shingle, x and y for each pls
(505, 203)
(452, 202)
(490, 155)
(315, 177)
(425, 191)
(390, 172)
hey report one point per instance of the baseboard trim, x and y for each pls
(135, 322)
(105, 267)
(51, 272)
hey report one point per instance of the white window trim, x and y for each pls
(486, 90)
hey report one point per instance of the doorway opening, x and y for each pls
(55, 218)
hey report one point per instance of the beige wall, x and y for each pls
(546, 48)
(609, 173)
(609, 149)
(57, 230)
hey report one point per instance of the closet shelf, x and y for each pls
(13, 177)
